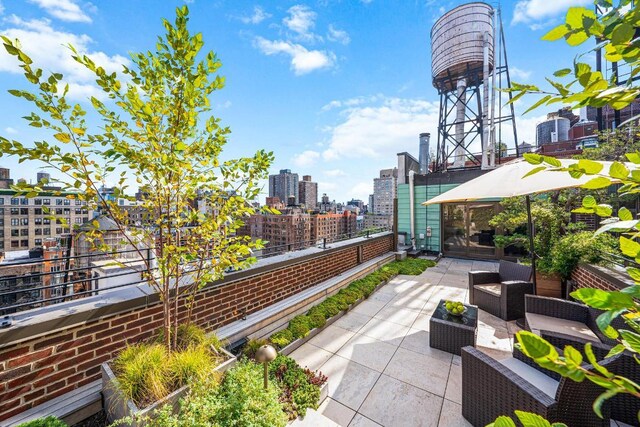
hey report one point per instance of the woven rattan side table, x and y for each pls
(450, 333)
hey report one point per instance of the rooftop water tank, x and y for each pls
(457, 45)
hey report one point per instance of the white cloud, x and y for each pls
(306, 158)
(303, 61)
(46, 46)
(526, 129)
(335, 172)
(381, 130)
(336, 35)
(351, 102)
(519, 73)
(301, 19)
(361, 190)
(258, 16)
(65, 10)
(530, 11)
(11, 130)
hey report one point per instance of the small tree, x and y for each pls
(157, 131)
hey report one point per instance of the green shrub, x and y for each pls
(300, 387)
(299, 326)
(239, 401)
(49, 421)
(317, 320)
(572, 249)
(282, 338)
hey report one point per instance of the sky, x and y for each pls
(335, 88)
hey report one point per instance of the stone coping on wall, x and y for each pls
(46, 320)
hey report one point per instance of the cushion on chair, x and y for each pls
(539, 322)
(490, 288)
(542, 382)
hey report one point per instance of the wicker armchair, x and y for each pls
(502, 293)
(491, 388)
(566, 317)
(624, 407)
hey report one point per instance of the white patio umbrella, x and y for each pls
(509, 181)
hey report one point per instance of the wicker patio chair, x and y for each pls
(491, 388)
(624, 407)
(565, 317)
(502, 293)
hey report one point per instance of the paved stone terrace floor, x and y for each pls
(381, 369)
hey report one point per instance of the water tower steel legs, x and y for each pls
(458, 161)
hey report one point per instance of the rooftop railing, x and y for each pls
(36, 287)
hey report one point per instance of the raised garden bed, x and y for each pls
(294, 345)
(118, 407)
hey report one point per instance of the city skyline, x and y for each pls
(335, 89)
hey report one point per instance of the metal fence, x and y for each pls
(43, 282)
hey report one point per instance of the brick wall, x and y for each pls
(589, 276)
(36, 370)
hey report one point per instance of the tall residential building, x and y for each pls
(284, 185)
(357, 203)
(26, 222)
(308, 192)
(370, 205)
(384, 191)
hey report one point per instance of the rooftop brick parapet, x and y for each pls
(51, 351)
(592, 276)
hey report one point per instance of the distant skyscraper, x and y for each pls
(384, 191)
(308, 192)
(370, 205)
(284, 185)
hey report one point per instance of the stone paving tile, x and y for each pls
(401, 316)
(369, 307)
(394, 403)
(336, 412)
(352, 321)
(421, 371)
(451, 415)
(418, 341)
(454, 384)
(362, 421)
(382, 330)
(311, 356)
(349, 382)
(422, 321)
(368, 351)
(332, 338)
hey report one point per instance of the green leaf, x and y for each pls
(552, 161)
(534, 171)
(588, 351)
(556, 33)
(629, 247)
(634, 157)
(632, 340)
(634, 290)
(573, 355)
(618, 170)
(590, 167)
(538, 103)
(603, 210)
(529, 419)
(589, 202)
(502, 421)
(62, 137)
(604, 300)
(625, 214)
(574, 17)
(617, 349)
(532, 158)
(597, 404)
(604, 321)
(535, 347)
(563, 72)
(617, 227)
(597, 183)
(622, 34)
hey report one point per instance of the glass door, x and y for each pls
(480, 232)
(454, 228)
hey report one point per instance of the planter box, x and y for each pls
(117, 407)
(548, 285)
(294, 345)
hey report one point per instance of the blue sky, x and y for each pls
(335, 88)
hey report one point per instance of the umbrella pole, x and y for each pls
(531, 247)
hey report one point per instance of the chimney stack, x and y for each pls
(424, 153)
